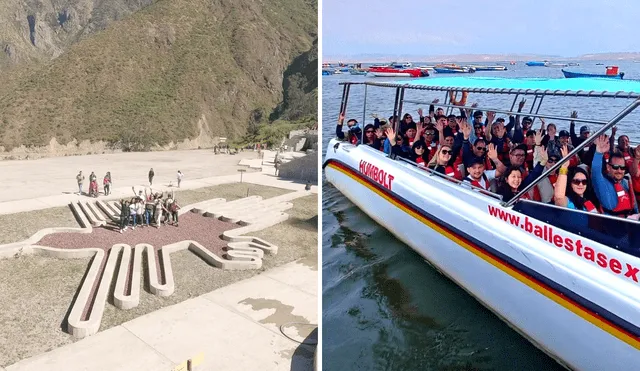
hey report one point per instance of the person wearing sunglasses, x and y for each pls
(354, 132)
(406, 123)
(480, 177)
(370, 139)
(442, 162)
(419, 153)
(477, 151)
(613, 190)
(579, 194)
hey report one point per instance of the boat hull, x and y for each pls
(536, 64)
(453, 70)
(395, 72)
(570, 75)
(521, 279)
(489, 68)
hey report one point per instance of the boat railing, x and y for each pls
(539, 96)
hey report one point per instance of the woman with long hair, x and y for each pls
(442, 162)
(512, 181)
(419, 153)
(579, 194)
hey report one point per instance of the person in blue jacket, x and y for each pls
(612, 188)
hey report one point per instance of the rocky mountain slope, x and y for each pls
(174, 71)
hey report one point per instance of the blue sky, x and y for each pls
(566, 28)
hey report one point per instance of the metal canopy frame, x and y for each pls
(539, 95)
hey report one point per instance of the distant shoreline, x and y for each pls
(479, 58)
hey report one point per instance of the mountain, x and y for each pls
(173, 73)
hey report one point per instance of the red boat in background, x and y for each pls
(398, 70)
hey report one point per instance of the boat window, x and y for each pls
(618, 233)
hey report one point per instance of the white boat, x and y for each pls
(564, 287)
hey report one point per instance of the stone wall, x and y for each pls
(301, 169)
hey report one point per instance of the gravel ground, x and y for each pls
(20, 226)
(26, 331)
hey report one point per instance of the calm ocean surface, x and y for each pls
(384, 308)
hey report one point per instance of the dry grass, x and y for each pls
(36, 294)
(229, 192)
(34, 283)
(20, 226)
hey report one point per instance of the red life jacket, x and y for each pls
(504, 153)
(529, 154)
(553, 178)
(626, 200)
(476, 183)
(628, 160)
(526, 196)
(433, 148)
(488, 165)
(590, 207)
(458, 160)
(453, 172)
(420, 161)
(353, 139)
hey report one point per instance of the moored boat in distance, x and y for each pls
(397, 70)
(566, 280)
(611, 73)
(487, 68)
(452, 68)
(536, 63)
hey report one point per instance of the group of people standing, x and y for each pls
(148, 208)
(107, 182)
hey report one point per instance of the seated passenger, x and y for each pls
(623, 147)
(419, 153)
(579, 195)
(395, 145)
(370, 138)
(354, 132)
(410, 133)
(544, 190)
(613, 191)
(476, 151)
(512, 181)
(406, 123)
(478, 176)
(442, 162)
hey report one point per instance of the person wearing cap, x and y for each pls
(478, 176)
(586, 155)
(354, 132)
(613, 189)
(564, 139)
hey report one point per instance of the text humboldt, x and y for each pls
(378, 175)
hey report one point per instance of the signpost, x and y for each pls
(241, 171)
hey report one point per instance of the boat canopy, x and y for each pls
(596, 87)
